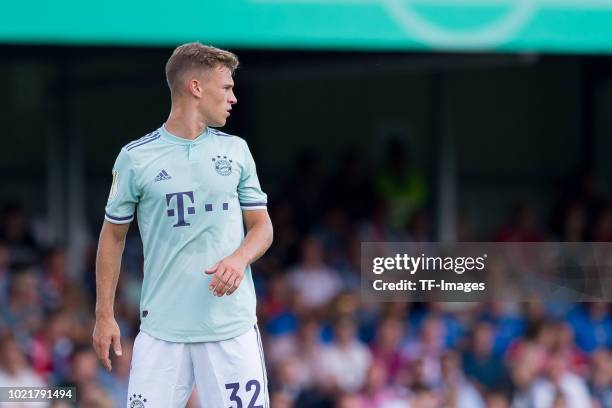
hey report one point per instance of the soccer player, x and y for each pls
(193, 188)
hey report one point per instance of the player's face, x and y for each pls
(217, 96)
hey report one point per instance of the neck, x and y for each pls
(185, 123)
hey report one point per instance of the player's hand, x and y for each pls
(106, 332)
(228, 273)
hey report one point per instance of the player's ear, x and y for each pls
(195, 87)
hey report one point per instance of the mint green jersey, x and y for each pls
(189, 196)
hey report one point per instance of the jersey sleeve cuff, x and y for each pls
(254, 206)
(118, 220)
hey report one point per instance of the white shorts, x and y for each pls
(228, 373)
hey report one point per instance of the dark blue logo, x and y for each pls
(137, 401)
(180, 207)
(163, 175)
(223, 165)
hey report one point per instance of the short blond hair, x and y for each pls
(195, 55)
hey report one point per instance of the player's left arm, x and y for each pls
(229, 272)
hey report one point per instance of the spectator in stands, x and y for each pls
(345, 361)
(401, 184)
(428, 348)
(275, 307)
(24, 313)
(458, 392)
(578, 361)
(524, 369)
(280, 399)
(312, 279)
(14, 368)
(424, 397)
(600, 378)
(506, 322)
(496, 399)
(304, 346)
(480, 362)
(55, 277)
(386, 347)
(376, 393)
(85, 375)
(349, 266)
(559, 384)
(592, 324)
(288, 379)
(348, 401)
(51, 347)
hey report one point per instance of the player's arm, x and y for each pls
(108, 264)
(259, 235)
(229, 272)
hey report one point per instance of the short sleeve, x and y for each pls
(124, 194)
(249, 191)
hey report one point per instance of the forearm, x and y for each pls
(108, 264)
(257, 241)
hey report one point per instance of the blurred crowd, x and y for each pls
(324, 346)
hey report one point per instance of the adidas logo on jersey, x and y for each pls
(163, 175)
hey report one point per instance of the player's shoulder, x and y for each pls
(227, 138)
(141, 144)
(217, 132)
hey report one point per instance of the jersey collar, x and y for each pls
(169, 137)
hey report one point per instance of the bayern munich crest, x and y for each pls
(137, 401)
(223, 165)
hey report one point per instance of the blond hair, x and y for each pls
(195, 55)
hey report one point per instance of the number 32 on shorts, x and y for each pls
(234, 387)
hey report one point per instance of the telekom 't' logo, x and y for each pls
(180, 207)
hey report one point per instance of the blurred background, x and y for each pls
(369, 120)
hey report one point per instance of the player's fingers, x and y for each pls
(222, 287)
(229, 279)
(103, 353)
(107, 364)
(216, 280)
(235, 283)
(98, 348)
(231, 282)
(212, 269)
(117, 344)
(99, 343)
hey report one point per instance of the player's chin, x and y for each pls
(219, 122)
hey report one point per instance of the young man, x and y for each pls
(193, 187)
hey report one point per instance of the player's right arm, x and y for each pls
(108, 264)
(119, 212)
